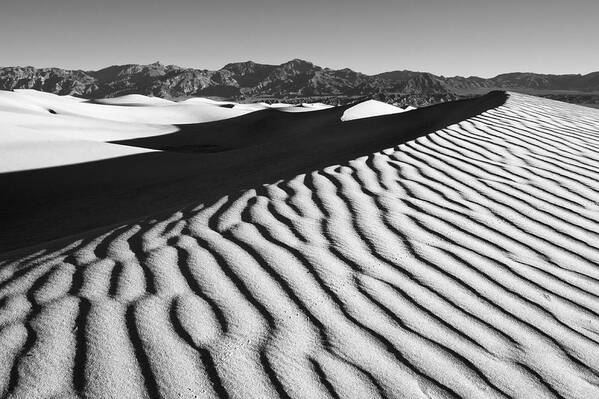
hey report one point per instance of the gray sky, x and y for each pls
(448, 37)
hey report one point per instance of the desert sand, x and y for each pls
(449, 251)
(369, 109)
(42, 130)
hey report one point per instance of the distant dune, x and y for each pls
(449, 251)
(369, 109)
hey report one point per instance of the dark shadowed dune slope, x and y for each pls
(46, 204)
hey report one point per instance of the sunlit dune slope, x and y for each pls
(458, 263)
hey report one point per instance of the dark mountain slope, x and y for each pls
(296, 79)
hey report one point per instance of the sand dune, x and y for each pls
(369, 109)
(117, 119)
(460, 263)
(170, 113)
(134, 99)
(316, 105)
(251, 107)
(280, 105)
(23, 149)
(41, 130)
(201, 100)
(305, 107)
(200, 162)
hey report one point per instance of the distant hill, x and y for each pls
(296, 79)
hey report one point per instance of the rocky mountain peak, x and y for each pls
(294, 78)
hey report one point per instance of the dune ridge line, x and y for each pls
(462, 263)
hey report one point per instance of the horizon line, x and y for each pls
(294, 59)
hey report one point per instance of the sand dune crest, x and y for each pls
(459, 264)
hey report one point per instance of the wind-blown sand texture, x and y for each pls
(462, 263)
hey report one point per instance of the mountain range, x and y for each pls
(296, 79)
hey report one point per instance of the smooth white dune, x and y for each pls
(368, 109)
(39, 130)
(251, 107)
(31, 137)
(75, 126)
(177, 113)
(134, 99)
(73, 98)
(459, 264)
(117, 119)
(82, 128)
(25, 149)
(16, 102)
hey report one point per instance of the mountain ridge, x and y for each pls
(296, 78)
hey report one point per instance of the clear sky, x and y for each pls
(448, 37)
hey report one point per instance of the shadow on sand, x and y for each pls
(203, 162)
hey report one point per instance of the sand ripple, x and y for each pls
(461, 264)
